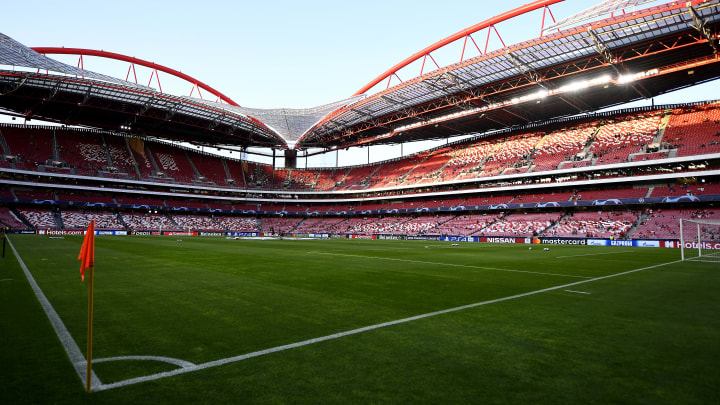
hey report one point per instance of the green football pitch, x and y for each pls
(212, 320)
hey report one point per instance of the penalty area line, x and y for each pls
(276, 349)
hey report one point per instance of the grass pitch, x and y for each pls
(649, 336)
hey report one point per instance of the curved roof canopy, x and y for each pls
(629, 56)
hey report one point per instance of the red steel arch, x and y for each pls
(136, 61)
(452, 38)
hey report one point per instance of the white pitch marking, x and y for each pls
(355, 331)
(449, 264)
(592, 254)
(6, 279)
(578, 292)
(170, 360)
(71, 348)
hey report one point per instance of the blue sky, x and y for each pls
(271, 54)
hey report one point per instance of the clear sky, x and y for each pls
(270, 54)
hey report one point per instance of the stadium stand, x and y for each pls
(562, 145)
(85, 197)
(521, 224)
(9, 219)
(172, 163)
(612, 193)
(467, 162)
(149, 222)
(620, 136)
(79, 220)
(39, 218)
(197, 223)
(328, 179)
(35, 195)
(237, 170)
(84, 152)
(611, 224)
(32, 146)
(466, 225)
(237, 224)
(121, 162)
(276, 225)
(319, 225)
(513, 154)
(211, 169)
(694, 130)
(665, 223)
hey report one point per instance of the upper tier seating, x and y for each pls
(513, 153)
(82, 198)
(466, 163)
(32, 146)
(562, 145)
(621, 136)
(357, 178)
(237, 171)
(140, 201)
(390, 174)
(210, 167)
(34, 195)
(694, 130)
(172, 162)
(430, 169)
(83, 151)
(302, 179)
(120, 159)
(686, 189)
(329, 178)
(142, 156)
(590, 195)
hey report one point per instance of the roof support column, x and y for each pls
(703, 29)
(613, 61)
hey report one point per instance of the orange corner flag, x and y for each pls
(87, 252)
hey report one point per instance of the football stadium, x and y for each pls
(553, 235)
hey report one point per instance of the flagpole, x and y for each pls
(91, 273)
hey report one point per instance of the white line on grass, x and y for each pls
(592, 254)
(447, 264)
(578, 292)
(354, 332)
(6, 279)
(170, 360)
(71, 348)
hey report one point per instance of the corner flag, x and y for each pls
(87, 261)
(87, 252)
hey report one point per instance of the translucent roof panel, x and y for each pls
(292, 123)
(13, 53)
(606, 7)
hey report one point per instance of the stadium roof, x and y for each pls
(628, 56)
(580, 68)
